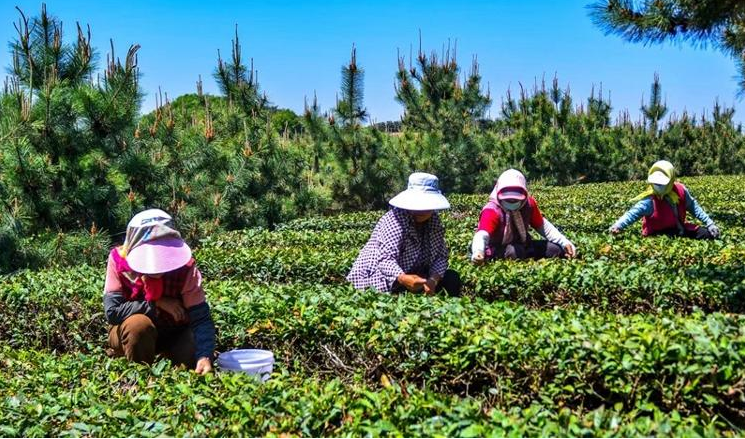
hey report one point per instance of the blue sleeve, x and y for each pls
(204, 330)
(644, 207)
(696, 209)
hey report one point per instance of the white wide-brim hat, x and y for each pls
(658, 177)
(423, 194)
(159, 256)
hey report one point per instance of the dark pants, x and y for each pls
(529, 250)
(139, 340)
(698, 233)
(450, 282)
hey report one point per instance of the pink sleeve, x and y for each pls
(113, 284)
(489, 221)
(193, 294)
(536, 217)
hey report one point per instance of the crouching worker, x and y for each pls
(407, 249)
(663, 207)
(153, 297)
(505, 222)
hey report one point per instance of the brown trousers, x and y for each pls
(138, 339)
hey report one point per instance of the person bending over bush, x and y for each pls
(407, 249)
(505, 222)
(153, 297)
(663, 208)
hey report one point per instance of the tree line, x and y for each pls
(77, 159)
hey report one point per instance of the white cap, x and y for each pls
(658, 177)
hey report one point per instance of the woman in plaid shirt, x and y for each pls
(407, 249)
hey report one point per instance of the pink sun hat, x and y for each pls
(154, 246)
(511, 185)
(159, 256)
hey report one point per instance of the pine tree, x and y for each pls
(655, 110)
(350, 111)
(316, 127)
(238, 82)
(718, 23)
(599, 109)
(362, 165)
(435, 100)
(64, 128)
(444, 115)
(217, 162)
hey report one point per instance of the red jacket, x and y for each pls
(664, 217)
(492, 215)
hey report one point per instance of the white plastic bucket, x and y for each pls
(251, 361)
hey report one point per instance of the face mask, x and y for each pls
(511, 205)
(659, 188)
(153, 287)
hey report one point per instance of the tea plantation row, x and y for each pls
(576, 357)
(623, 274)
(43, 394)
(635, 337)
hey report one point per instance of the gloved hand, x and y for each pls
(478, 247)
(714, 230)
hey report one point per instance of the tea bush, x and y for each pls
(578, 356)
(635, 337)
(90, 395)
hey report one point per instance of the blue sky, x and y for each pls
(299, 47)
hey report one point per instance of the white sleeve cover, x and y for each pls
(552, 234)
(478, 245)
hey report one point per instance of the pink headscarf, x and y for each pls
(511, 185)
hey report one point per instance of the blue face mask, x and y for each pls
(511, 205)
(659, 189)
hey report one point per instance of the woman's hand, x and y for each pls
(204, 366)
(570, 250)
(478, 258)
(173, 307)
(431, 285)
(615, 230)
(411, 282)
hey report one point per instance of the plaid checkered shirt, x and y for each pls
(398, 246)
